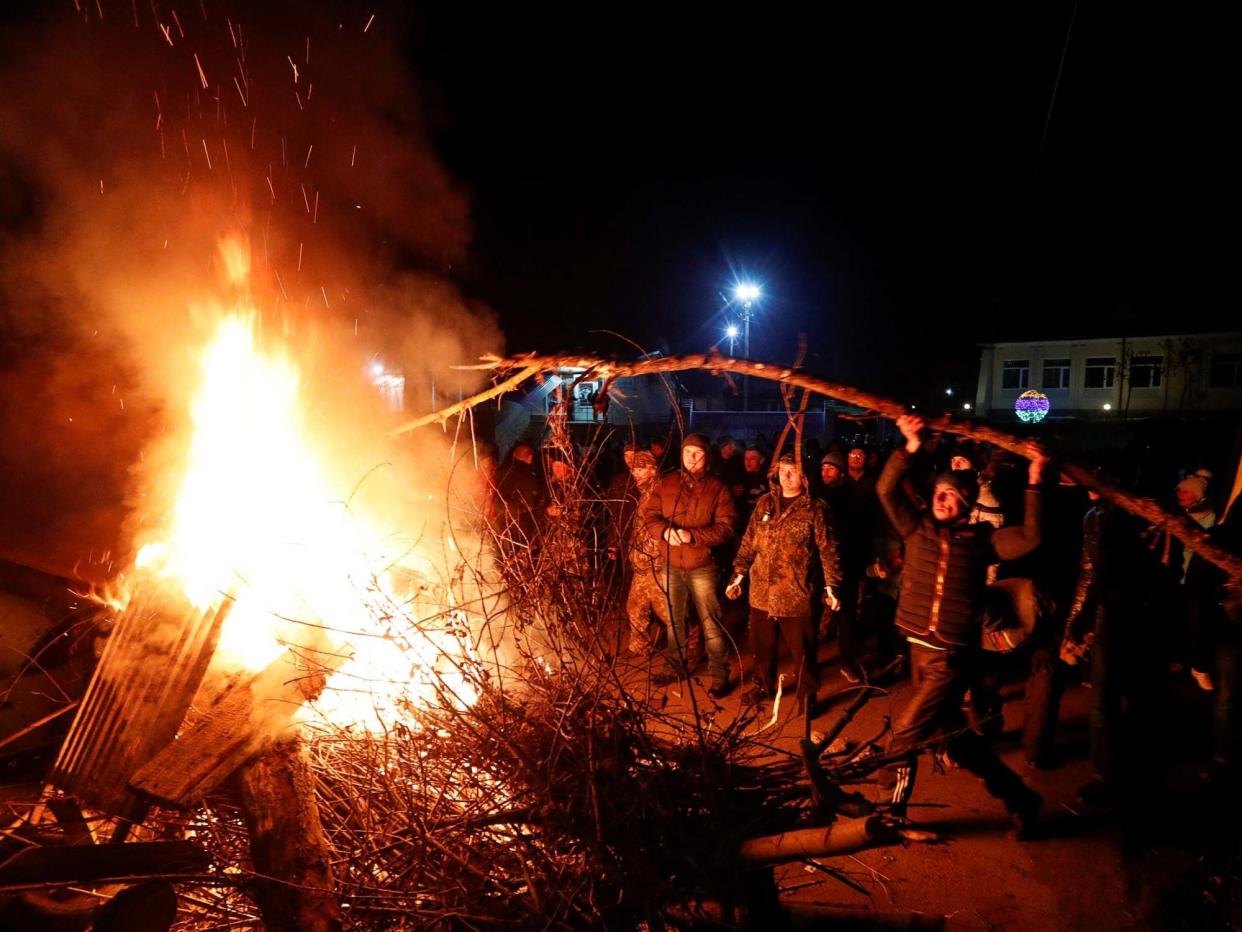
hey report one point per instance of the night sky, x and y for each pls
(531, 176)
(882, 170)
(878, 169)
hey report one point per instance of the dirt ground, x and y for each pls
(1169, 859)
(1152, 864)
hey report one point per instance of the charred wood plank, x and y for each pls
(152, 664)
(230, 725)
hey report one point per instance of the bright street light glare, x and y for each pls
(731, 332)
(746, 292)
(949, 392)
(966, 406)
(1107, 406)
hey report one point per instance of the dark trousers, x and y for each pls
(1044, 687)
(1228, 680)
(1218, 651)
(1127, 680)
(799, 634)
(940, 681)
(851, 633)
(1045, 682)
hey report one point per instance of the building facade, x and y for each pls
(1114, 377)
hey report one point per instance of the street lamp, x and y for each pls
(747, 293)
(731, 333)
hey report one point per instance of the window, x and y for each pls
(1226, 371)
(1016, 373)
(1100, 371)
(1056, 373)
(1145, 371)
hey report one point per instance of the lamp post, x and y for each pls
(731, 333)
(747, 294)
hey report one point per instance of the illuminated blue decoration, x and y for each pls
(1031, 406)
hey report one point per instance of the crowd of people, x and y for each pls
(962, 564)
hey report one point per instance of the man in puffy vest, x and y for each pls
(939, 609)
(690, 512)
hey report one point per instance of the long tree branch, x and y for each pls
(441, 416)
(1179, 526)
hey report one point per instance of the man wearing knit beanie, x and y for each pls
(832, 468)
(697, 440)
(953, 494)
(940, 609)
(691, 512)
(645, 592)
(1192, 492)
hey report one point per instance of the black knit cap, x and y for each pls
(697, 440)
(963, 482)
(834, 458)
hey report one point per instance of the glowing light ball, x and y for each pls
(1031, 406)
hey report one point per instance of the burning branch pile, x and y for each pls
(559, 799)
(512, 769)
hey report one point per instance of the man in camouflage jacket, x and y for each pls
(647, 593)
(786, 530)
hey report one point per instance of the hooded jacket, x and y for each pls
(776, 550)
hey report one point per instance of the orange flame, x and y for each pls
(256, 516)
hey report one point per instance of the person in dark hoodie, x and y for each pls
(1113, 612)
(1215, 607)
(853, 510)
(939, 610)
(520, 497)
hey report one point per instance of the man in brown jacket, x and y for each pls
(691, 512)
(787, 528)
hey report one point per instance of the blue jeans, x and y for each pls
(700, 584)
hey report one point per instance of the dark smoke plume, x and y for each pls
(133, 136)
